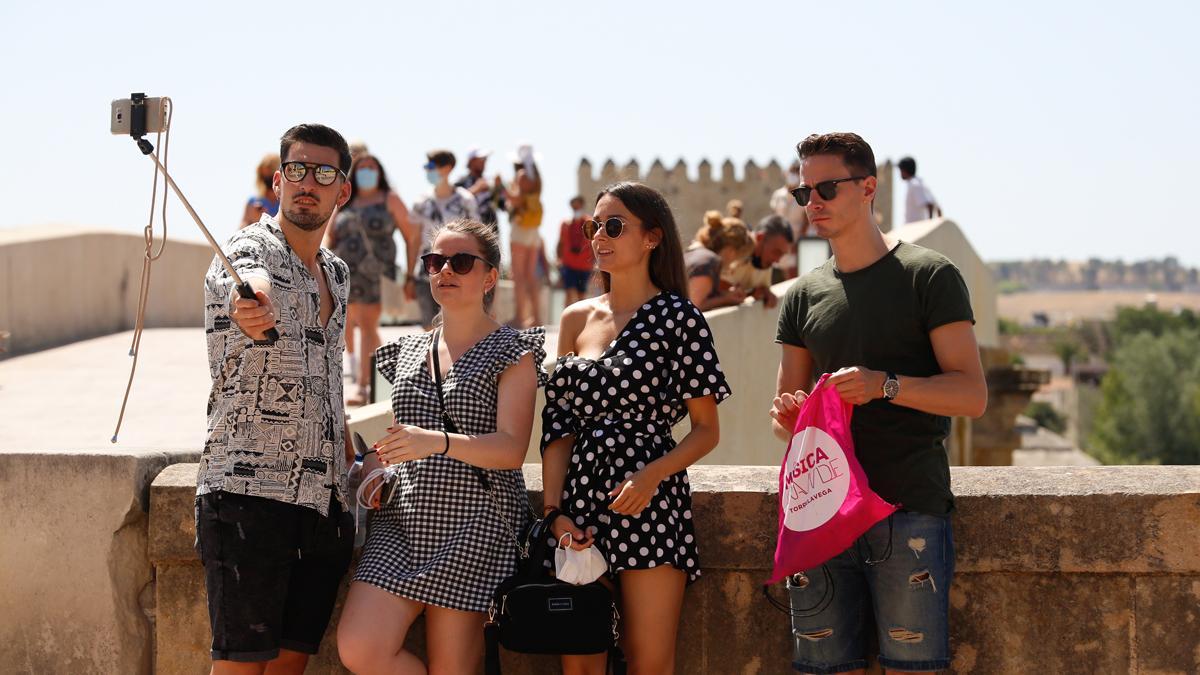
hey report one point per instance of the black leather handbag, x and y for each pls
(532, 612)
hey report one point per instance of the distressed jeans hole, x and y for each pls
(919, 579)
(905, 635)
(815, 635)
(917, 546)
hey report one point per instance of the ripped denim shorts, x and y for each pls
(899, 572)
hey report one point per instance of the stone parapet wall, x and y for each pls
(76, 583)
(1061, 570)
(61, 285)
(64, 284)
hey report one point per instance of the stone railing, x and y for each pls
(68, 284)
(76, 583)
(63, 284)
(1059, 570)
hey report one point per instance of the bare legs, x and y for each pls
(525, 286)
(371, 632)
(364, 317)
(287, 663)
(375, 624)
(572, 296)
(651, 601)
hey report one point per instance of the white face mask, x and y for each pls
(578, 567)
(793, 178)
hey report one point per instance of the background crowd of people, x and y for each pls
(728, 261)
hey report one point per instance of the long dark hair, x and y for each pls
(666, 260)
(383, 184)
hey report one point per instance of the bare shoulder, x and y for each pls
(574, 318)
(394, 202)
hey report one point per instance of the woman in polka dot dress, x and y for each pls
(633, 362)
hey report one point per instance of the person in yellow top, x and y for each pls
(524, 205)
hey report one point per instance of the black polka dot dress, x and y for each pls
(441, 540)
(620, 408)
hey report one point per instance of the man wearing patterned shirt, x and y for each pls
(272, 525)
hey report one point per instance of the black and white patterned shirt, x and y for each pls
(276, 418)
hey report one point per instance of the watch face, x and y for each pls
(891, 388)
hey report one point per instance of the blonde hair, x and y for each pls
(264, 173)
(734, 208)
(719, 233)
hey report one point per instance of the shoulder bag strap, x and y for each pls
(447, 423)
(450, 427)
(491, 648)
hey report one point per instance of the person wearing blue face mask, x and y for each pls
(442, 205)
(361, 235)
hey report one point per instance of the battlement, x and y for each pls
(691, 193)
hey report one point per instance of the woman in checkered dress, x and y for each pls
(440, 543)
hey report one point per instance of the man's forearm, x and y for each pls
(951, 394)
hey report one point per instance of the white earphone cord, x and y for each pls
(162, 140)
(364, 497)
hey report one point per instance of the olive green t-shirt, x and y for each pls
(880, 317)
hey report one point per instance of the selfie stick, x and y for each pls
(137, 129)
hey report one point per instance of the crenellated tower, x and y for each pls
(691, 196)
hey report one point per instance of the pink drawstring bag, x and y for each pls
(824, 500)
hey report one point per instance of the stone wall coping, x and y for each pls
(1062, 481)
(1088, 520)
(968, 481)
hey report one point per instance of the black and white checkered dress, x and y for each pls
(440, 540)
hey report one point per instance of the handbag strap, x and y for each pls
(491, 648)
(447, 423)
(451, 428)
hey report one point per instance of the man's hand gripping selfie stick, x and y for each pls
(138, 130)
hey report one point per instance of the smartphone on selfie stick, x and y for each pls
(138, 116)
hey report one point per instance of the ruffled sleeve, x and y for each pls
(558, 418)
(697, 370)
(387, 357)
(529, 341)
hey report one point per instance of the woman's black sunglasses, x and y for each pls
(461, 263)
(322, 173)
(613, 227)
(826, 188)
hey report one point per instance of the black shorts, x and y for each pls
(272, 570)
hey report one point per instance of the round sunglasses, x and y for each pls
(826, 188)
(461, 263)
(324, 174)
(613, 227)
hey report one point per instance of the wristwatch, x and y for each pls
(891, 386)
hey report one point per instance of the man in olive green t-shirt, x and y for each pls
(892, 323)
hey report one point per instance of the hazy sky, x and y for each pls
(1048, 129)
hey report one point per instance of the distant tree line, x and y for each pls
(1095, 274)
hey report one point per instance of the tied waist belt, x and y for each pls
(642, 426)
